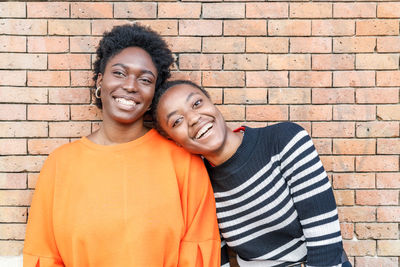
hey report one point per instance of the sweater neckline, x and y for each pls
(118, 147)
(238, 160)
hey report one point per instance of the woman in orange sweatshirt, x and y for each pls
(124, 196)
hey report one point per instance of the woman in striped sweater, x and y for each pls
(275, 205)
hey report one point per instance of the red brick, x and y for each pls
(388, 44)
(333, 129)
(223, 78)
(338, 163)
(310, 78)
(194, 76)
(377, 197)
(223, 10)
(85, 112)
(377, 163)
(232, 112)
(354, 112)
(12, 43)
(332, 95)
(353, 78)
(388, 180)
(23, 26)
(22, 61)
(69, 61)
(48, 78)
(267, 79)
(389, 146)
(333, 27)
(323, 146)
(267, 113)
(12, 146)
(377, 129)
(377, 261)
(69, 129)
(388, 214)
(333, 62)
(360, 247)
(32, 179)
(13, 180)
(353, 180)
(245, 27)
(388, 112)
(289, 62)
(48, 10)
(245, 96)
(48, 112)
(12, 10)
(69, 95)
(91, 10)
(310, 45)
(163, 27)
(69, 27)
(179, 10)
(388, 247)
(388, 78)
(310, 113)
(200, 27)
(103, 25)
(354, 44)
(377, 27)
(12, 214)
(44, 146)
(82, 78)
(289, 27)
(47, 44)
(13, 77)
(377, 95)
(377, 61)
(23, 129)
(200, 62)
(12, 112)
(135, 10)
(245, 62)
(267, 10)
(357, 214)
(344, 197)
(354, 10)
(354, 146)
(12, 231)
(267, 44)
(289, 96)
(377, 231)
(184, 44)
(310, 10)
(347, 230)
(216, 94)
(389, 10)
(223, 44)
(18, 164)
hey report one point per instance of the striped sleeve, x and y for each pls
(313, 198)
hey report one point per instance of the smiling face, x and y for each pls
(190, 118)
(127, 86)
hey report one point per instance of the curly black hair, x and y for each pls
(133, 35)
(161, 91)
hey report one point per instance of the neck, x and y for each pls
(117, 133)
(228, 149)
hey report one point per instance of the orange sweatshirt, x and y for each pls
(141, 203)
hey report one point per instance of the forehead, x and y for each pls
(133, 55)
(180, 91)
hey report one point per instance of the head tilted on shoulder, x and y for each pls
(184, 112)
(133, 35)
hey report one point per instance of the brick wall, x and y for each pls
(332, 66)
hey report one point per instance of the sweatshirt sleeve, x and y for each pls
(201, 244)
(40, 248)
(313, 197)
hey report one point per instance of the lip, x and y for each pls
(123, 106)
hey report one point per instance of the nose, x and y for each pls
(193, 117)
(130, 84)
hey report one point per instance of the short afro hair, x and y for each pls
(161, 91)
(133, 35)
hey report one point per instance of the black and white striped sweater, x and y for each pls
(275, 205)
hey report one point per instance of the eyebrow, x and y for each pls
(187, 99)
(125, 67)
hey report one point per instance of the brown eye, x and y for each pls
(177, 122)
(197, 103)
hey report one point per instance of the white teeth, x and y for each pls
(125, 101)
(203, 130)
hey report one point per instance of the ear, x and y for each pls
(99, 80)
